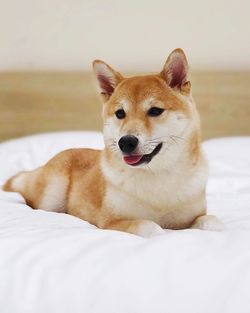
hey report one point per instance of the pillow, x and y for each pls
(228, 188)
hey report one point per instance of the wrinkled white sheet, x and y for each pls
(52, 262)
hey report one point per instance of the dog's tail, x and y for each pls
(45, 187)
(27, 184)
(41, 189)
(16, 183)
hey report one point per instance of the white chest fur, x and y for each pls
(159, 196)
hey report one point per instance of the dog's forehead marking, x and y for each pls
(146, 103)
(124, 102)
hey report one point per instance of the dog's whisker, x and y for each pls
(173, 139)
(157, 138)
(177, 137)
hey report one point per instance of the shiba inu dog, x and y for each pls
(152, 173)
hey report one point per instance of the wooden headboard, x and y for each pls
(34, 102)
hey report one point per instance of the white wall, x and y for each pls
(129, 34)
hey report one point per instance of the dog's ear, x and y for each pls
(107, 78)
(175, 71)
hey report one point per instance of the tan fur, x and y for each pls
(98, 186)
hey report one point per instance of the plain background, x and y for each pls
(132, 35)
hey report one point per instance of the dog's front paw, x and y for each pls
(208, 222)
(149, 229)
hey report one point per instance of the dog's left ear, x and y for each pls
(175, 71)
(107, 78)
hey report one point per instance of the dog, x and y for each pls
(151, 174)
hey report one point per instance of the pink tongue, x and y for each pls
(132, 159)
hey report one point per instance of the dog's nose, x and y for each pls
(128, 143)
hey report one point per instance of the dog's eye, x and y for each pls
(154, 111)
(120, 114)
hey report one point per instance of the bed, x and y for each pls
(53, 262)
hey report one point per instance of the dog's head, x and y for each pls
(146, 116)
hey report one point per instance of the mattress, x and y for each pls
(51, 262)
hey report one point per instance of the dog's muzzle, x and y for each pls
(128, 145)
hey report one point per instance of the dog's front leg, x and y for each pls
(207, 222)
(144, 228)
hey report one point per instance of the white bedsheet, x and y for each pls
(52, 262)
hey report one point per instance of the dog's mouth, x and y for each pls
(138, 159)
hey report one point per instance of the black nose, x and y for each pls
(128, 143)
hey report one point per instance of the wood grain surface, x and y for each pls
(34, 102)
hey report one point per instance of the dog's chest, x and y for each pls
(147, 197)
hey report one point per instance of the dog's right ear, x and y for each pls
(107, 78)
